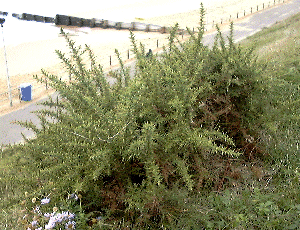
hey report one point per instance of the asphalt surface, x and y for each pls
(10, 133)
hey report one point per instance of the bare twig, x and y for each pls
(100, 139)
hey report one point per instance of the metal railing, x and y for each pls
(244, 12)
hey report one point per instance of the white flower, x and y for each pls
(37, 210)
(50, 225)
(71, 215)
(34, 223)
(45, 201)
(73, 196)
(71, 225)
(47, 215)
(57, 218)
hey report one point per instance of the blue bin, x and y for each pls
(26, 92)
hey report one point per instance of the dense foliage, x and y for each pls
(147, 151)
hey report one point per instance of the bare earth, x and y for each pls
(27, 59)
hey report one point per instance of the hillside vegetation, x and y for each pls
(199, 138)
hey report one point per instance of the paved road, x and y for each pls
(11, 133)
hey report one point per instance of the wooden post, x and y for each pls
(132, 26)
(7, 73)
(128, 54)
(57, 110)
(163, 29)
(147, 28)
(251, 10)
(257, 7)
(46, 84)
(110, 60)
(244, 12)
(237, 15)
(263, 5)
(157, 43)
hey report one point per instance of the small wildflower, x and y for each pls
(45, 201)
(55, 209)
(34, 223)
(70, 225)
(47, 215)
(37, 210)
(50, 225)
(33, 200)
(71, 215)
(79, 196)
(26, 194)
(72, 196)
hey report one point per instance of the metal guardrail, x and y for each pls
(66, 20)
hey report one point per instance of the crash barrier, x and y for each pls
(27, 17)
(3, 13)
(33, 17)
(62, 20)
(49, 20)
(82, 22)
(39, 18)
(65, 20)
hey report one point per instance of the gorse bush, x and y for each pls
(138, 149)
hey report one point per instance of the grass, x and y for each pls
(268, 201)
(279, 48)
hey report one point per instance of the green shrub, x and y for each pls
(140, 151)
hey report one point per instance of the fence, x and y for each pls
(65, 20)
(3, 13)
(111, 61)
(107, 62)
(243, 13)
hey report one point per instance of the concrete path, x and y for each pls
(10, 133)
